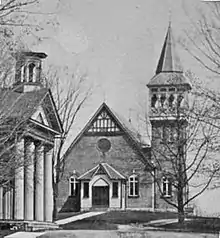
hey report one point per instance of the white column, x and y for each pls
(19, 182)
(48, 189)
(39, 184)
(7, 204)
(153, 190)
(11, 204)
(1, 203)
(123, 195)
(29, 181)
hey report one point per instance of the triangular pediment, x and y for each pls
(100, 170)
(40, 116)
(46, 114)
(51, 113)
(104, 122)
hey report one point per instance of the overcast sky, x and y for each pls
(116, 42)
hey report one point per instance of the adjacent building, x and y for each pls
(29, 125)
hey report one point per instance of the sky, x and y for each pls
(118, 44)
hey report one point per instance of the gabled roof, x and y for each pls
(131, 134)
(106, 169)
(21, 106)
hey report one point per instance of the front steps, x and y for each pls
(28, 225)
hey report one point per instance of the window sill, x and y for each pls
(114, 196)
(72, 196)
(133, 196)
(85, 197)
(166, 196)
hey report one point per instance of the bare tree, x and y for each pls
(183, 148)
(202, 39)
(71, 91)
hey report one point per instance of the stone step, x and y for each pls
(28, 225)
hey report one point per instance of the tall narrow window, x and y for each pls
(73, 186)
(115, 189)
(179, 100)
(153, 100)
(164, 133)
(31, 69)
(86, 189)
(166, 187)
(133, 186)
(163, 99)
(171, 100)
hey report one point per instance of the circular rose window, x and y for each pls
(104, 145)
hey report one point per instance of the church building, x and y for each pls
(109, 166)
(29, 125)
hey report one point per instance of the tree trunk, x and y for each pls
(54, 208)
(181, 215)
(56, 180)
(55, 202)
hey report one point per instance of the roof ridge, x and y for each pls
(115, 171)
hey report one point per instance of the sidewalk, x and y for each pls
(59, 222)
(23, 234)
(163, 222)
(78, 217)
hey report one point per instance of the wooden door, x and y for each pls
(100, 196)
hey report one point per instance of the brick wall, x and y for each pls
(121, 156)
(161, 153)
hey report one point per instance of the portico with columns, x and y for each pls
(30, 194)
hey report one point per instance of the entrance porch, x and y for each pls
(102, 188)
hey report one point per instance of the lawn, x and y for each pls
(64, 215)
(110, 219)
(197, 224)
(5, 232)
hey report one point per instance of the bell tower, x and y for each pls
(168, 95)
(28, 71)
(169, 88)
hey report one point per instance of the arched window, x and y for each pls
(73, 186)
(31, 69)
(166, 187)
(133, 185)
(179, 100)
(171, 100)
(163, 99)
(24, 74)
(153, 100)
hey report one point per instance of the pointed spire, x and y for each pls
(169, 60)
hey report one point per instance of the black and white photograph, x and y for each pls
(110, 118)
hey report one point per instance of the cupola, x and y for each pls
(28, 71)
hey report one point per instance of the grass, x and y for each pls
(196, 224)
(110, 220)
(64, 215)
(5, 232)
